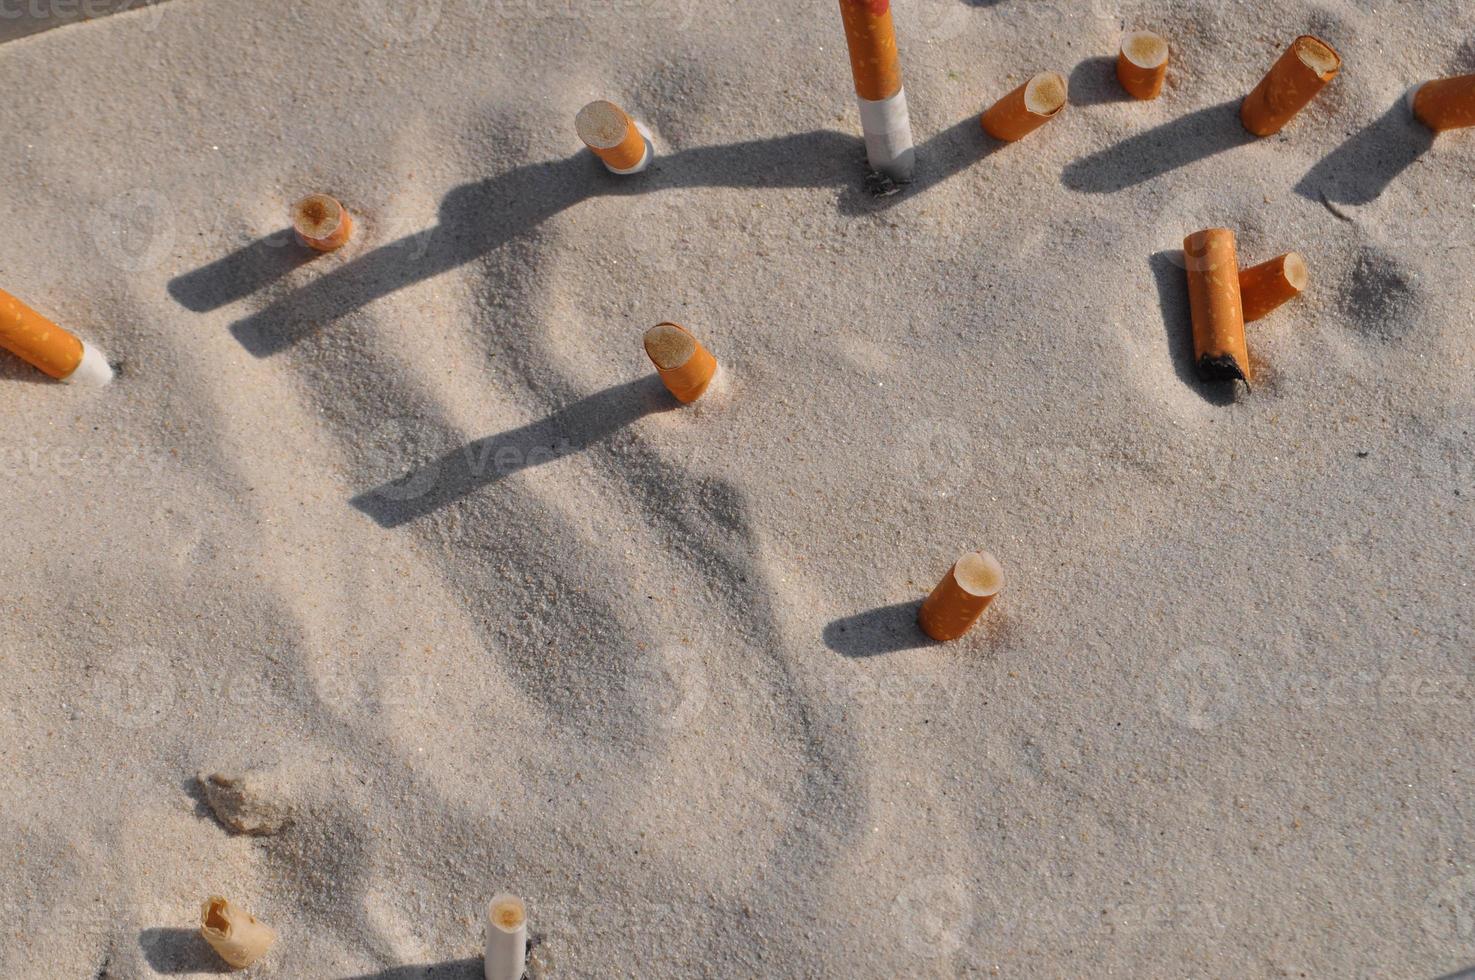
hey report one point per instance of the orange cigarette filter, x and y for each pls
(1142, 65)
(1448, 103)
(1220, 350)
(44, 345)
(322, 223)
(1297, 78)
(1268, 286)
(961, 597)
(871, 38)
(612, 136)
(685, 366)
(1027, 108)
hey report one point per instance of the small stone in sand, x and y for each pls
(243, 805)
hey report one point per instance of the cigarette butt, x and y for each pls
(1220, 350)
(961, 597)
(237, 935)
(44, 345)
(1268, 286)
(1027, 108)
(322, 223)
(1142, 65)
(507, 938)
(1448, 103)
(613, 137)
(1300, 74)
(686, 367)
(875, 64)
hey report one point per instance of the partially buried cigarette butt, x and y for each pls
(1142, 65)
(1297, 78)
(961, 597)
(322, 223)
(1027, 108)
(1220, 350)
(875, 64)
(613, 137)
(44, 345)
(1268, 286)
(507, 938)
(237, 935)
(1448, 103)
(685, 366)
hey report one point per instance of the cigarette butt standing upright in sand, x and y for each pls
(1268, 286)
(39, 342)
(686, 367)
(1300, 74)
(1448, 103)
(613, 137)
(322, 223)
(1142, 65)
(234, 933)
(962, 596)
(1220, 350)
(507, 938)
(1027, 108)
(883, 101)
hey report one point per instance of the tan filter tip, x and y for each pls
(962, 596)
(1142, 66)
(1267, 287)
(321, 222)
(685, 366)
(235, 934)
(612, 135)
(1317, 55)
(1027, 108)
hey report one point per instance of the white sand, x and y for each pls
(655, 670)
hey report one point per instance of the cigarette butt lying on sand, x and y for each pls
(1027, 108)
(961, 597)
(507, 938)
(871, 38)
(39, 342)
(1268, 286)
(614, 137)
(1448, 103)
(1220, 350)
(686, 367)
(1297, 78)
(234, 933)
(1142, 65)
(322, 223)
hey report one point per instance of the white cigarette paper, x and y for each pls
(888, 131)
(507, 938)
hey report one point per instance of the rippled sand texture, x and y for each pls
(411, 535)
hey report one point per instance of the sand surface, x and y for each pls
(412, 535)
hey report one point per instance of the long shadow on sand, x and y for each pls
(463, 471)
(889, 629)
(1359, 170)
(1152, 154)
(1172, 294)
(478, 218)
(176, 951)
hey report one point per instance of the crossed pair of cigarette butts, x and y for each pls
(240, 939)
